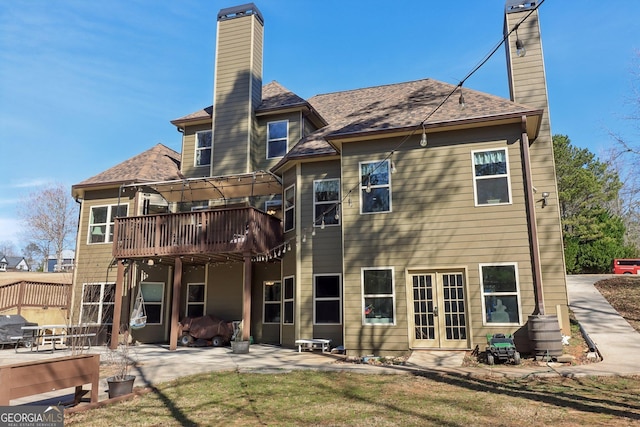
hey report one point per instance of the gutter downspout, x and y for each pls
(531, 219)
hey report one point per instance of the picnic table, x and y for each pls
(45, 335)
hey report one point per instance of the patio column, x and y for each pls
(175, 305)
(246, 298)
(117, 307)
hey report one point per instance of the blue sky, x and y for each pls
(84, 85)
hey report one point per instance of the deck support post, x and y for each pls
(175, 305)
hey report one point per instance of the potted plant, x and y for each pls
(121, 382)
(238, 344)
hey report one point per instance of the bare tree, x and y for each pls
(50, 217)
(7, 248)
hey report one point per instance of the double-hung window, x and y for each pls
(327, 299)
(153, 295)
(97, 303)
(375, 187)
(378, 296)
(272, 302)
(491, 177)
(203, 148)
(500, 293)
(289, 208)
(196, 297)
(277, 138)
(101, 222)
(288, 300)
(326, 202)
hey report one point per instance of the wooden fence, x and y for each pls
(35, 294)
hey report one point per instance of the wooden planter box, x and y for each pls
(30, 378)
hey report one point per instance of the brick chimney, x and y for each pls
(237, 87)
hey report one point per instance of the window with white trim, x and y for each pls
(288, 300)
(500, 293)
(375, 187)
(153, 295)
(491, 177)
(277, 138)
(326, 201)
(196, 298)
(289, 208)
(101, 222)
(378, 296)
(203, 148)
(272, 302)
(327, 299)
(97, 304)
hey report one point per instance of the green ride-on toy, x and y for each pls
(501, 349)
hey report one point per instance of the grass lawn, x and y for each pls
(351, 399)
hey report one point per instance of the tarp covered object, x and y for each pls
(207, 327)
(11, 326)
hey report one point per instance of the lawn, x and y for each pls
(351, 399)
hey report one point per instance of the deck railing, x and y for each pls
(237, 230)
(35, 294)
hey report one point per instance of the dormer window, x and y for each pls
(277, 138)
(203, 148)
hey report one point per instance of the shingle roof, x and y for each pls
(398, 106)
(159, 163)
(276, 96)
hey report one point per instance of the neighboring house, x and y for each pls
(68, 258)
(13, 263)
(369, 217)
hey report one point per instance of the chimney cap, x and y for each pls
(514, 6)
(240, 11)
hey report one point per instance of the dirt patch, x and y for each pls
(623, 293)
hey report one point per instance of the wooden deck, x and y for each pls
(210, 233)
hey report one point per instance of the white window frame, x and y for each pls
(108, 225)
(515, 293)
(392, 296)
(270, 140)
(203, 303)
(198, 149)
(506, 175)
(100, 304)
(291, 300)
(266, 302)
(289, 210)
(364, 185)
(338, 298)
(161, 303)
(330, 204)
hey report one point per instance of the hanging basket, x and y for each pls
(138, 314)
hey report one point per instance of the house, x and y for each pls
(386, 219)
(66, 265)
(13, 263)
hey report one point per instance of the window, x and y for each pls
(272, 302)
(196, 297)
(500, 293)
(289, 208)
(277, 136)
(101, 222)
(491, 177)
(288, 300)
(203, 148)
(378, 296)
(326, 199)
(97, 303)
(274, 206)
(153, 295)
(327, 301)
(375, 187)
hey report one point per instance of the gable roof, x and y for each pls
(12, 261)
(399, 107)
(159, 163)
